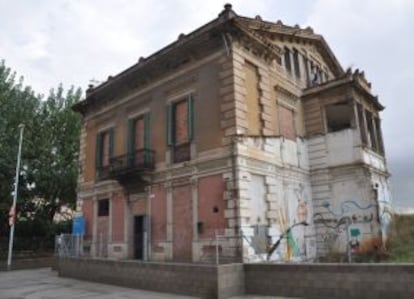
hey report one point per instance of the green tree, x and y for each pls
(17, 103)
(55, 177)
(48, 175)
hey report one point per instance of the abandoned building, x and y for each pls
(234, 135)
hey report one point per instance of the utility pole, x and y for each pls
(13, 208)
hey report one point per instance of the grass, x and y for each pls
(400, 244)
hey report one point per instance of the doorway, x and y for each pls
(139, 236)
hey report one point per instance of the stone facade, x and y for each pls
(251, 128)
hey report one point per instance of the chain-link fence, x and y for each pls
(211, 246)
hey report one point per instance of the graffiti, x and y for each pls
(293, 248)
(346, 206)
(296, 245)
(385, 209)
(302, 207)
(341, 221)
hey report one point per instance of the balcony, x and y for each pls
(128, 167)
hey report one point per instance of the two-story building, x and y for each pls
(226, 138)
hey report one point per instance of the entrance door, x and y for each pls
(139, 229)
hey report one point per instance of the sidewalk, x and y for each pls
(45, 284)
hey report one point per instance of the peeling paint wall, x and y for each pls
(351, 196)
(274, 186)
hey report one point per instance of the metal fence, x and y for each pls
(68, 245)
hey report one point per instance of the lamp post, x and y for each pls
(277, 243)
(13, 208)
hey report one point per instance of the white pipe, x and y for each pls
(16, 181)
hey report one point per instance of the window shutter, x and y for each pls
(130, 141)
(111, 142)
(147, 137)
(190, 117)
(98, 151)
(131, 136)
(147, 131)
(170, 127)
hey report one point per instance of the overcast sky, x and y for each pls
(75, 41)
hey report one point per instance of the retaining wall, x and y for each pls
(204, 281)
(322, 281)
(362, 281)
(29, 263)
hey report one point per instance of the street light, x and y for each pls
(277, 243)
(13, 207)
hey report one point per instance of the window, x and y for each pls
(306, 70)
(103, 207)
(104, 151)
(379, 135)
(139, 153)
(339, 117)
(362, 128)
(371, 130)
(180, 128)
(296, 62)
(288, 64)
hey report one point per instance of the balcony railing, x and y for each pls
(128, 164)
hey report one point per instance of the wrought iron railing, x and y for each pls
(139, 160)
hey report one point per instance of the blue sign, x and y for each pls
(78, 226)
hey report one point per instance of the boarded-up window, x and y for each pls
(104, 148)
(252, 99)
(181, 125)
(139, 133)
(180, 128)
(138, 142)
(287, 122)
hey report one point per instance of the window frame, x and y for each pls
(99, 149)
(171, 126)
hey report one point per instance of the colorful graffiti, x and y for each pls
(354, 226)
(298, 246)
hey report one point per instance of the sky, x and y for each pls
(75, 42)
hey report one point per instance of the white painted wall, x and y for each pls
(257, 205)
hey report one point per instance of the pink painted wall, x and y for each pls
(118, 215)
(211, 205)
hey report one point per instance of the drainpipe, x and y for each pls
(149, 197)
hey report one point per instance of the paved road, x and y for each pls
(45, 284)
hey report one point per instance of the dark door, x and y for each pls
(139, 228)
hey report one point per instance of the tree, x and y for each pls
(17, 103)
(55, 177)
(48, 175)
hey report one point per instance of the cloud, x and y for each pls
(375, 36)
